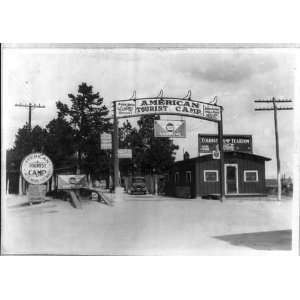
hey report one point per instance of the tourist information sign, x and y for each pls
(168, 106)
(36, 168)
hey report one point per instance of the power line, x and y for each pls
(30, 107)
(275, 109)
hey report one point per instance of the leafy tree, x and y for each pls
(12, 160)
(26, 142)
(60, 143)
(150, 154)
(88, 117)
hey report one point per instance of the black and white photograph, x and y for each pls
(150, 149)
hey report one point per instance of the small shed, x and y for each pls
(244, 175)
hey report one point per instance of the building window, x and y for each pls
(211, 175)
(251, 176)
(177, 177)
(188, 177)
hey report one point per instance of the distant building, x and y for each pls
(286, 186)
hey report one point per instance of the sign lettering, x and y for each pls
(131, 108)
(208, 143)
(124, 153)
(106, 141)
(36, 168)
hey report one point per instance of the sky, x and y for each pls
(236, 76)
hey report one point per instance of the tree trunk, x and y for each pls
(78, 167)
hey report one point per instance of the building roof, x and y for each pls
(227, 154)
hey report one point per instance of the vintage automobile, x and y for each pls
(138, 185)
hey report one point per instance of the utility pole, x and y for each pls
(275, 109)
(221, 160)
(30, 106)
(116, 147)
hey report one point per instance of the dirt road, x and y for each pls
(147, 225)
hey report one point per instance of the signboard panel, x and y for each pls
(36, 168)
(170, 128)
(131, 108)
(106, 141)
(65, 182)
(207, 143)
(125, 108)
(124, 153)
(36, 192)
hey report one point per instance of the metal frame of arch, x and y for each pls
(160, 105)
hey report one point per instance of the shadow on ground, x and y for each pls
(267, 240)
(25, 204)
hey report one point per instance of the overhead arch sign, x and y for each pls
(160, 105)
(168, 106)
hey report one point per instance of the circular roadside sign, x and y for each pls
(37, 168)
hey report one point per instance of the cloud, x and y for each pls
(227, 68)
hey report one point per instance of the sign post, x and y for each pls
(116, 183)
(221, 165)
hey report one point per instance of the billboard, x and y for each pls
(71, 181)
(170, 128)
(173, 106)
(207, 143)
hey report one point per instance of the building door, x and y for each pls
(231, 179)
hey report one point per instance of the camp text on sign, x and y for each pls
(172, 106)
(36, 168)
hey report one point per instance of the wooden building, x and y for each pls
(244, 175)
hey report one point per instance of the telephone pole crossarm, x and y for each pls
(30, 106)
(275, 100)
(278, 108)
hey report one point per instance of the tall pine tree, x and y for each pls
(89, 118)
